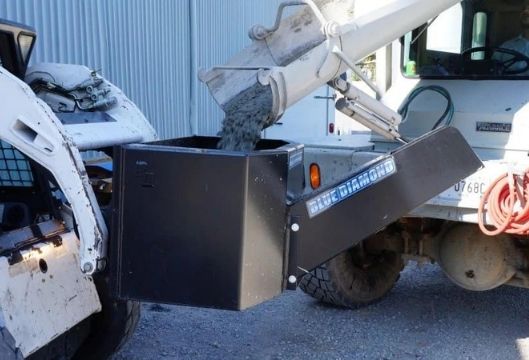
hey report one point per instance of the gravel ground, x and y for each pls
(425, 317)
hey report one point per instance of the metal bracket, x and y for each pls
(292, 271)
(338, 52)
(260, 32)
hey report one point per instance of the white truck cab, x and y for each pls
(461, 51)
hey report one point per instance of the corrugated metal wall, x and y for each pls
(150, 48)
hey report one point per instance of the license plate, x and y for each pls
(468, 192)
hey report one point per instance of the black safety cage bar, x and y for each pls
(16, 44)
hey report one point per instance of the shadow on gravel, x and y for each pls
(159, 308)
(425, 317)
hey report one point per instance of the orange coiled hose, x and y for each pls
(506, 202)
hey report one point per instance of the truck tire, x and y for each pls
(353, 279)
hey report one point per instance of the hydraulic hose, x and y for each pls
(448, 114)
(506, 202)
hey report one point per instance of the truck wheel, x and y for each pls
(354, 278)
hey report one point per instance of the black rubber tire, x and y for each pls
(96, 338)
(347, 282)
(65, 346)
(111, 328)
(109, 339)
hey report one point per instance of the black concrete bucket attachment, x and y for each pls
(198, 226)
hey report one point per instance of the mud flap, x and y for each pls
(342, 215)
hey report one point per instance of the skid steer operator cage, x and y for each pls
(15, 168)
(16, 44)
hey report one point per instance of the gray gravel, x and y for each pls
(425, 317)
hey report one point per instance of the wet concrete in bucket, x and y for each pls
(246, 116)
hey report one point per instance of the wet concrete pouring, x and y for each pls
(246, 116)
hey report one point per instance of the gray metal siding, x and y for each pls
(149, 48)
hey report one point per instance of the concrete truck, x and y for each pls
(259, 216)
(466, 67)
